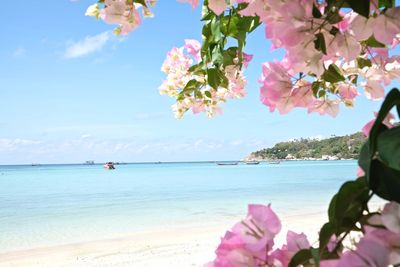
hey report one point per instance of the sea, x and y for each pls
(50, 205)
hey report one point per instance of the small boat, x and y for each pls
(252, 162)
(227, 163)
(109, 166)
(89, 162)
(274, 161)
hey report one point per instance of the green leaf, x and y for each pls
(213, 78)
(325, 234)
(333, 74)
(360, 6)
(333, 16)
(364, 159)
(348, 204)
(191, 85)
(315, 87)
(372, 42)
(315, 12)
(319, 43)
(301, 258)
(208, 94)
(392, 99)
(388, 146)
(362, 62)
(384, 181)
(387, 3)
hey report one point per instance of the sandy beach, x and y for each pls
(172, 246)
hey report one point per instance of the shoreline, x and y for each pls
(178, 246)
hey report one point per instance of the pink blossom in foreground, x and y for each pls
(360, 172)
(388, 122)
(193, 47)
(391, 217)
(295, 242)
(250, 241)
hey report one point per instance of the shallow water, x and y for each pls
(58, 204)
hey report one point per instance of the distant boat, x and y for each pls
(274, 161)
(89, 162)
(35, 164)
(252, 162)
(227, 163)
(109, 166)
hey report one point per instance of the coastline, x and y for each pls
(178, 246)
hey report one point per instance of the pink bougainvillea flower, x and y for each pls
(217, 6)
(246, 59)
(368, 253)
(295, 242)
(193, 47)
(360, 172)
(391, 217)
(193, 2)
(347, 91)
(249, 241)
(388, 121)
(387, 25)
(326, 106)
(121, 13)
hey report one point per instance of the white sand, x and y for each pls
(177, 247)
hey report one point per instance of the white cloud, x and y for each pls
(19, 52)
(90, 44)
(7, 144)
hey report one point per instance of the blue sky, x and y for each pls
(71, 91)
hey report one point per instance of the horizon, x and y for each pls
(78, 94)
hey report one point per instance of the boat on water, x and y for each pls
(252, 162)
(89, 162)
(227, 163)
(109, 166)
(274, 161)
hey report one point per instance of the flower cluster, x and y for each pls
(329, 53)
(327, 57)
(379, 245)
(250, 242)
(189, 87)
(122, 12)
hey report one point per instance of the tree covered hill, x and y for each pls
(342, 147)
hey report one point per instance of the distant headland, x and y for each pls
(334, 148)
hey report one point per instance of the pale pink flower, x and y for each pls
(361, 27)
(373, 89)
(360, 172)
(122, 13)
(387, 25)
(295, 242)
(250, 241)
(368, 253)
(388, 121)
(193, 47)
(391, 217)
(217, 6)
(246, 59)
(326, 106)
(347, 91)
(193, 2)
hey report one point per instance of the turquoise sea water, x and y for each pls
(59, 204)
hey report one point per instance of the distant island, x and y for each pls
(334, 148)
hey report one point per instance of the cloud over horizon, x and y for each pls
(89, 45)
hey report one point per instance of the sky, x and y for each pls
(71, 91)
